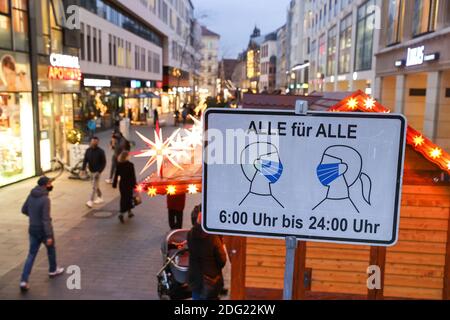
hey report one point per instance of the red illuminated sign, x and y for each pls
(62, 73)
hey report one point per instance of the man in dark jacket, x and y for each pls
(37, 208)
(207, 258)
(96, 159)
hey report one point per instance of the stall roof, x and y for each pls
(316, 101)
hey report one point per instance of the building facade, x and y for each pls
(39, 86)
(413, 64)
(297, 52)
(282, 72)
(209, 73)
(342, 37)
(268, 63)
(145, 49)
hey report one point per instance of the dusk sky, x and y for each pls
(235, 20)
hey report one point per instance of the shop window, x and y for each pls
(394, 21)
(16, 138)
(424, 18)
(364, 36)
(447, 92)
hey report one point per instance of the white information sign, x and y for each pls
(327, 177)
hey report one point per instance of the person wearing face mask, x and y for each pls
(37, 208)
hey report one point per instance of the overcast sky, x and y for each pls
(235, 20)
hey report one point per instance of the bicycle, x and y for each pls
(58, 167)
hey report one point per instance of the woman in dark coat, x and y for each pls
(127, 184)
(207, 257)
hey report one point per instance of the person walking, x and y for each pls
(125, 170)
(155, 116)
(118, 145)
(175, 206)
(96, 159)
(40, 230)
(207, 258)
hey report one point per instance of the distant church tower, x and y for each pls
(256, 32)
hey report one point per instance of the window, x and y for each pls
(20, 25)
(424, 19)
(165, 12)
(95, 44)
(5, 32)
(394, 21)
(110, 50)
(137, 59)
(129, 64)
(156, 63)
(88, 40)
(99, 46)
(114, 51)
(331, 61)
(345, 45)
(364, 36)
(149, 61)
(322, 54)
(142, 59)
(82, 48)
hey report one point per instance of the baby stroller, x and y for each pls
(172, 278)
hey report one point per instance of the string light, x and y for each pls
(171, 190)
(448, 165)
(436, 153)
(369, 103)
(352, 104)
(192, 189)
(418, 141)
(139, 188)
(152, 192)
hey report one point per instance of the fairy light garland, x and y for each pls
(362, 102)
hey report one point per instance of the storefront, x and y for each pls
(59, 85)
(17, 160)
(415, 80)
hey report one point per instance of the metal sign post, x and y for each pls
(291, 246)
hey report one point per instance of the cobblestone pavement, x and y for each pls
(117, 261)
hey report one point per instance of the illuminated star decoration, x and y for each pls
(352, 104)
(448, 165)
(369, 103)
(194, 136)
(180, 147)
(159, 151)
(418, 141)
(192, 189)
(436, 153)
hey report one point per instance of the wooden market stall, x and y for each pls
(417, 267)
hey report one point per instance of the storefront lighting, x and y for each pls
(135, 84)
(98, 83)
(400, 63)
(431, 57)
(342, 77)
(332, 79)
(355, 76)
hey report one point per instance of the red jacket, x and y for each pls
(176, 202)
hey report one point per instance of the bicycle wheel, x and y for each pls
(57, 169)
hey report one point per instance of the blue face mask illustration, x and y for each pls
(270, 167)
(328, 172)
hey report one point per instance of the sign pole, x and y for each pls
(291, 246)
